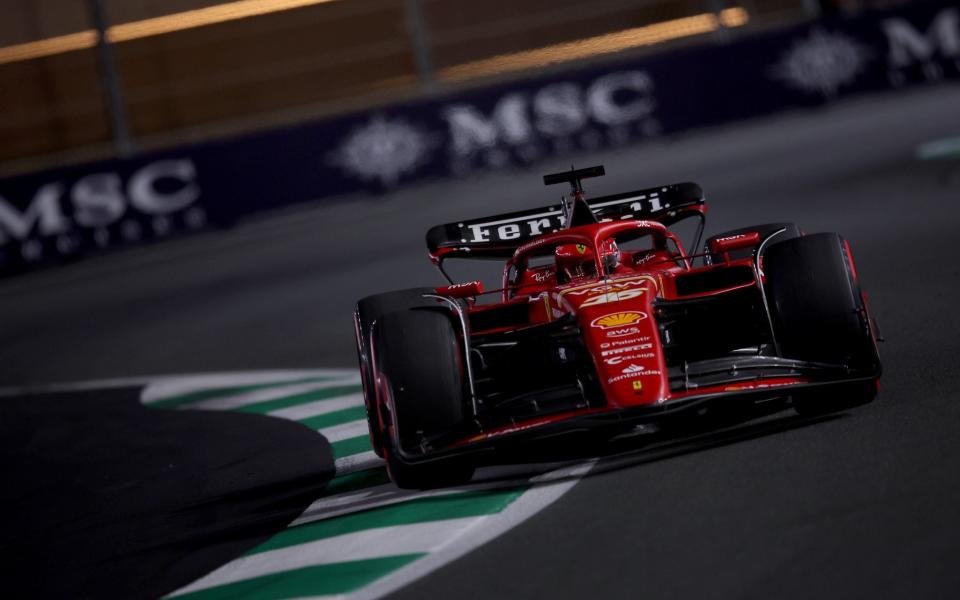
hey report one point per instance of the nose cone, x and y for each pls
(623, 339)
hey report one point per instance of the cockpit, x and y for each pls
(574, 263)
(574, 258)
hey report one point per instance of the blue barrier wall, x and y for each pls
(65, 214)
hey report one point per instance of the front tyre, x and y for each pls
(815, 302)
(368, 310)
(418, 360)
(819, 315)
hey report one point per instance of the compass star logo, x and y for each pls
(384, 150)
(822, 62)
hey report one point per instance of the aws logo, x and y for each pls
(619, 319)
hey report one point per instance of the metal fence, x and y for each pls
(91, 79)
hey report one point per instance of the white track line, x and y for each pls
(318, 407)
(360, 545)
(80, 386)
(518, 511)
(387, 494)
(345, 431)
(177, 383)
(357, 462)
(365, 499)
(166, 387)
(265, 395)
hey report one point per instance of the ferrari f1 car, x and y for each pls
(603, 323)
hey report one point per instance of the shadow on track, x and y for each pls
(102, 497)
(642, 448)
(572, 457)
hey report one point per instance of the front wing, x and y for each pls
(616, 419)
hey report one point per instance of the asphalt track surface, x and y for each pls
(864, 504)
(106, 498)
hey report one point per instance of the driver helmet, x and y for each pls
(610, 255)
(574, 261)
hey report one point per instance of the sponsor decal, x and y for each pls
(625, 349)
(625, 342)
(638, 386)
(515, 229)
(633, 375)
(530, 226)
(605, 287)
(618, 319)
(739, 236)
(646, 258)
(629, 341)
(525, 247)
(540, 276)
(524, 126)
(581, 248)
(384, 150)
(619, 333)
(822, 63)
(616, 360)
(613, 297)
(102, 209)
(911, 46)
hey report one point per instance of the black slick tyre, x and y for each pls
(819, 315)
(418, 360)
(368, 310)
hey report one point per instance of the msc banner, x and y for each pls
(58, 215)
(64, 214)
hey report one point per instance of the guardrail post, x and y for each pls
(110, 82)
(722, 34)
(420, 41)
(813, 8)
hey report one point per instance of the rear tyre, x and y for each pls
(418, 358)
(819, 314)
(367, 311)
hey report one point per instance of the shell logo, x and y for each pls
(618, 319)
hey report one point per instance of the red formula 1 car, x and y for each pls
(603, 323)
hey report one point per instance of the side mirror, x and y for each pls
(461, 290)
(730, 243)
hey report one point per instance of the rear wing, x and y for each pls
(499, 236)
